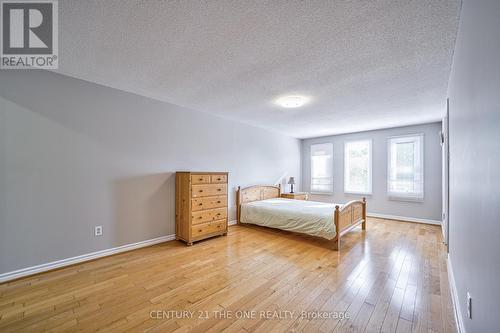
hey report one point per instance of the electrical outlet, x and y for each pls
(469, 306)
(98, 230)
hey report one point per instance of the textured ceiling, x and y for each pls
(364, 64)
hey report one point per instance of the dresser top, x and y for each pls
(204, 172)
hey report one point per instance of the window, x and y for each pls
(322, 168)
(358, 167)
(405, 174)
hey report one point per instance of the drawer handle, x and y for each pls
(218, 178)
(219, 189)
(218, 201)
(200, 230)
(200, 204)
(200, 191)
(199, 217)
(200, 179)
(218, 213)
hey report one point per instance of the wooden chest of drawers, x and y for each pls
(200, 205)
(296, 195)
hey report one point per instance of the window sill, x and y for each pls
(321, 193)
(407, 199)
(358, 193)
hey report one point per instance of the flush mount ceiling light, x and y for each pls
(292, 101)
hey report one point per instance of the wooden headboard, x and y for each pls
(255, 193)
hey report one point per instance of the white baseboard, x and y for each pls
(85, 257)
(454, 297)
(404, 218)
(233, 222)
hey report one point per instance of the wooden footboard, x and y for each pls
(349, 216)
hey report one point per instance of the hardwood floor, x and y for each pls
(391, 278)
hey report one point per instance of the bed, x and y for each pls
(262, 205)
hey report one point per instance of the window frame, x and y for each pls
(330, 144)
(402, 196)
(370, 168)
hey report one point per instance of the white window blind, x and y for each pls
(358, 167)
(405, 174)
(322, 168)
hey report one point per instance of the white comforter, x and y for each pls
(307, 217)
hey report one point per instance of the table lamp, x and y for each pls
(291, 181)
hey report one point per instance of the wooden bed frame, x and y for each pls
(346, 218)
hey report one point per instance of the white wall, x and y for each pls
(74, 154)
(378, 202)
(474, 93)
